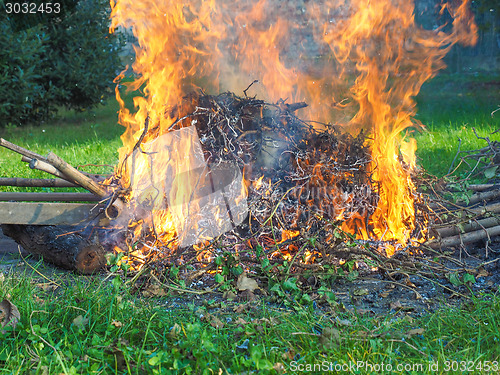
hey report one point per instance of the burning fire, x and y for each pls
(375, 47)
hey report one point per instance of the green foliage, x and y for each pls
(48, 61)
(22, 96)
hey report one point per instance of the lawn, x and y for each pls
(107, 324)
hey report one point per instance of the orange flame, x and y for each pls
(375, 45)
(393, 57)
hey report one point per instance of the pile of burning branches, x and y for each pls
(309, 188)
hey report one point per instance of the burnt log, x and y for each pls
(59, 245)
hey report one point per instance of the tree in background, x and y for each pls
(58, 59)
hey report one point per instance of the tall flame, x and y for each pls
(373, 45)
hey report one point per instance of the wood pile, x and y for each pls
(476, 215)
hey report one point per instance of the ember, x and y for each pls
(301, 179)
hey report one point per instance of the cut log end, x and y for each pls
(90, 259)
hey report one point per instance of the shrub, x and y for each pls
(22, 95)
(67, 59)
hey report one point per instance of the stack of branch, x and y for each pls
(476, 216)
(480, 220)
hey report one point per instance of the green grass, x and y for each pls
(85, 325)
(438, 145)
(90, 137)
(450, 106)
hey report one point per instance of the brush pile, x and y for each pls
(303, 182)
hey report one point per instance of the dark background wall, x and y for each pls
(482, 58)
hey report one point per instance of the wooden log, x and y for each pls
(76, 176)
(470, 237)
(112, 211)
(491, 208)
(485, 196)
(35, 182)
(483, 187)
(48, 197)
(454, 230)
(46, 167)
(482, 196)
(60, 246)
(20, 150)
(48, 213)
(49, 168)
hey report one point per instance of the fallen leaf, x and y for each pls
(385, 294)
(229, 295)
(417, 295)
(47, 287)
(247, 296)
(213, 320)
(329, 337)
(279, 368)
(154, 290)
(241, 307)
(117, 323)
(39, 300)
(241, 322)
(216, 322)
(395, 305)
(119, 357)
(416, 331)
(343, 322)
(175, 331)
(2, 277)
(408, 318)
(246, 283)
(468, 278)
(360, 292)
(80, 321)
(454, 278)
(9, 314)
(269, 322)
(289, 354)
(364, 311)
(481, 272)
(409, 283)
